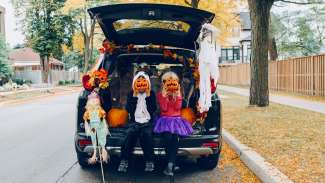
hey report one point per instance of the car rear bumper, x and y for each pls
(189, 151)
(190, 146)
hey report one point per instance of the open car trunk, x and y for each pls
(125, 66)
(159, 24)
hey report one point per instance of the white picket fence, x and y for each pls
(55, 76)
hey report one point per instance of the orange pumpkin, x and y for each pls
(188, 115)
(141, 85)
(172, 85)
(117, 117)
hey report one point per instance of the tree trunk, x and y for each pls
(91, 37)
(260, 14)
(45, 68)
(86, 54)
(273, 49)
(88, 41)
(195, 3)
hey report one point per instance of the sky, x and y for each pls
(14, 36)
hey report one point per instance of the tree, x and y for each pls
(45, 28)
(299, 32)
(5, 70)
(86, 26)
(260, 17)
(306, 42)
(259, 13)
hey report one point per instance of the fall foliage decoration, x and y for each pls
(108, 47)
(117, 117)
(86, 84)
(97, 78)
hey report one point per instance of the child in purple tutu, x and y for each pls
(170, 123)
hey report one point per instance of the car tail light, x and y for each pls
(84, 142)
(211, 144)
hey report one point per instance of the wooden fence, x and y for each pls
(305, 75)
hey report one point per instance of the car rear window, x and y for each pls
(147, 24)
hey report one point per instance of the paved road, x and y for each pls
(37, 146)
(37, 140)
(284, 100)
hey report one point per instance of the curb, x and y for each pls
(255, 162)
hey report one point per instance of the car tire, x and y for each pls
(83, 161)
(209, 162)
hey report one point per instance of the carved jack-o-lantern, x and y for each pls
(171, 85)
(141, 85)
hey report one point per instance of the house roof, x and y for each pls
(27, 56)
(245, 20)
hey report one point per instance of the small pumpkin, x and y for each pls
(171, 85)
(117, 117)
(141, 85)
(188, 115)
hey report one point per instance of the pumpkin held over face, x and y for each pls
(141, 85)
(117, 117)
(188, 115)
(172, 85)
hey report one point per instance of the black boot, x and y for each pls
(150, 166)
(169, 170)
(123, 167)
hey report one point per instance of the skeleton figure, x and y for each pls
(96, 127)
(208, 64)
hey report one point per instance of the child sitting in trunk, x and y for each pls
(170, 124)
(141, 105)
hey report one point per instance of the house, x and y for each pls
(26, 64)
(238, 50)
(2, 20)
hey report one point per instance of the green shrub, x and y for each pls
(61, 83)
(18, 81)
(28, 82)
(67, 82)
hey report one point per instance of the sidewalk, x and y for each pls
(22, 96)
(23, 91)
(284, 100)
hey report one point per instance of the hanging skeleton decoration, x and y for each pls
(208, 64)
(96, 127)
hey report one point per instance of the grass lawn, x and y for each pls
(291, 139)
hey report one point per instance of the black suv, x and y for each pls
(139, 31)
